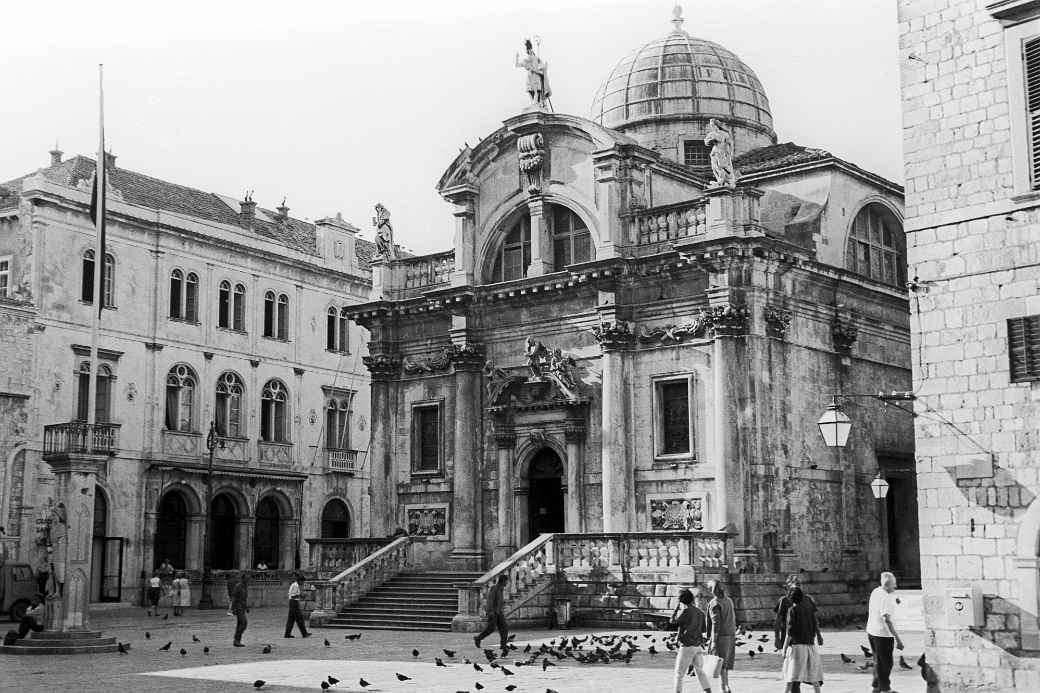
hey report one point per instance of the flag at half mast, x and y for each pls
(97, 215)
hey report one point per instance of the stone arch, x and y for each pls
(173, 524)
(530, 447)
(862, 205)
(191, 497)
(243, 508)
(350, 515)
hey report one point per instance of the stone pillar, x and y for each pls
(574, 434)
(465, 238)
(193, 549)
(541, 238)
(383, 367)
(289, 533)
(467, 550)
(505, 442)
(618, 477)
(244, 539)
(75, 479)
(147, 539)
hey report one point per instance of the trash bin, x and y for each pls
(563, 612)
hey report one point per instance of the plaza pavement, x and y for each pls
(299, 664)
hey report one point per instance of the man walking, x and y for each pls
(295, 616)
(496, 616)
(239, 600)
(692, 625)
(882, 633)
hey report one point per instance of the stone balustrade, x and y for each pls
(633, 550)
(655, 228)
(77, 437)
(339, 592)
(426, 270)
(328, 557)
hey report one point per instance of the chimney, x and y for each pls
(110, 161)
(56, 155)
(283, 211)
(248, 212)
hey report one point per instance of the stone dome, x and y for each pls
(680, 77)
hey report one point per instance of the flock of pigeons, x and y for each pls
(587, 650)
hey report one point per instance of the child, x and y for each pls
(154, 592)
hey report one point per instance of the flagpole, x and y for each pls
(99, 264)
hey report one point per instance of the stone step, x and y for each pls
(69, 647)
(41, 640)
(398, 612)
(377, 624)
(66, 635)
(407, 600)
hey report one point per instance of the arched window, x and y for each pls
(337, 423)
(176, 294)
(269, 301)
(191, 297)
(330, 330)
(273, 409)
(87, 283)
(344, 330)
(571, 240)
(514, 255)
(240, 308)
(229, 405)
(102, 398)
(283, 316)
(335, 520)
(877, 246)
(180, 399)
(224, 305)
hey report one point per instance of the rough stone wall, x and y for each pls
(973, 249)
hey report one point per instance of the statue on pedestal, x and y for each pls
(384, 233)
(537, 75)
(59, 539)
(720, 139)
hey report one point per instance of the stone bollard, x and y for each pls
(319, 602)
(469, 618)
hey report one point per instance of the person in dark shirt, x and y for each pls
(496, 617)
(691, 626)
(33, 618)
(802, 634)
(722, 628)
(239, 607)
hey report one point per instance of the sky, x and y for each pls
(336, 106)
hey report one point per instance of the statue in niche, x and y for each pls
(537, 75)
(720, 139)
(384, 233)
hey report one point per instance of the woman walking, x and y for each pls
(722, 630)
(801, 658)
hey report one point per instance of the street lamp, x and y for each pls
(879, 487)
(835, 425)
(212, 442)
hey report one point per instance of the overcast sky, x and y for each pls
(337, 106)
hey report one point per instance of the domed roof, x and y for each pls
(679, 77)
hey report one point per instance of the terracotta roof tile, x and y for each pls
(778, 156)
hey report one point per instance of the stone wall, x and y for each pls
(973, 252)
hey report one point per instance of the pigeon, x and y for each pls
(507, 672)
(166, 617)
(921, 661)
(147, 635)
(551, 690)
(258, 684)
(183, 652)
(763, 638)
(864, 667)
(449, 653)
(903, 664)
(195, 638)
(205, 650)
(845, 659)
(122, 648)
(511, 687)
(652, 650)
(439, 662)
(324, 685)
(353, 636)
(402, 677)
(479, 686)
(760, 649)
(364, 684)
(866, 652)
(477, 667)
(327, 643)
(751, 653)
(267, 649)
(166, 647)
(333, 680)
(415, 653)
(546, 664)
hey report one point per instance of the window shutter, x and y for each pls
(1031, 62)
(1024, 348)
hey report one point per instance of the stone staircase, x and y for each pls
(420, 601)
(71, 642)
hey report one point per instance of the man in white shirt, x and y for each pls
(295, 615)
(881, 633)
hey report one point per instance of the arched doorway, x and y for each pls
(223, 527)
(171, 532)
(265, 534)
(335, 520)
(97, 556)
(545, 497)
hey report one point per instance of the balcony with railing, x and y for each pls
(653, 230)
(411, 276)
(341, 460)
(76, 437)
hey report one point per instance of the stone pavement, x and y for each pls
(299, 664)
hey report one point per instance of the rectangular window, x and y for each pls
(696, 154)
(674, 421)
(5, 277)
(240, 309)
(426, 438)
(1031, 64)
(1024, 348)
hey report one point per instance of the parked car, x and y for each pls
(17, 587)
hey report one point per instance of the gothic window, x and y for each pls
(229, 405)
(269, 310)
(696, 154)
(102, 397)
(283, 316)
(572, 242)
(514, 255)
(191, 297)
(344, 330)
(273, 413)
(876, 246)
(224, 305)
(180, 399)
(337, 421)
(426, 438)
(330, 329)
(674, 420)
(239, 308)
(5, 277)
(87, 283)
(176, 294)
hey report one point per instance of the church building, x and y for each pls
(643, 316)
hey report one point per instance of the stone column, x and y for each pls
(541, 238)
(467, 550)
(505, 442)
(75, 480)
(574, 434)
(244, 539)
(289, 531)
(382, 366)
(465, 237)
(618, 477)
(193, 549)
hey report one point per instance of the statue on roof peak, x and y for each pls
(537, 76)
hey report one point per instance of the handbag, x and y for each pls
(711, 665)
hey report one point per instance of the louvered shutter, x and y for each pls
(1024, 348)
(1032, 69)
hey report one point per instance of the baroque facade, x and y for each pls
(970, 82)
(617, 343)
(215, 310)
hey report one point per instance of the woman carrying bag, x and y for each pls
(722, 632)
